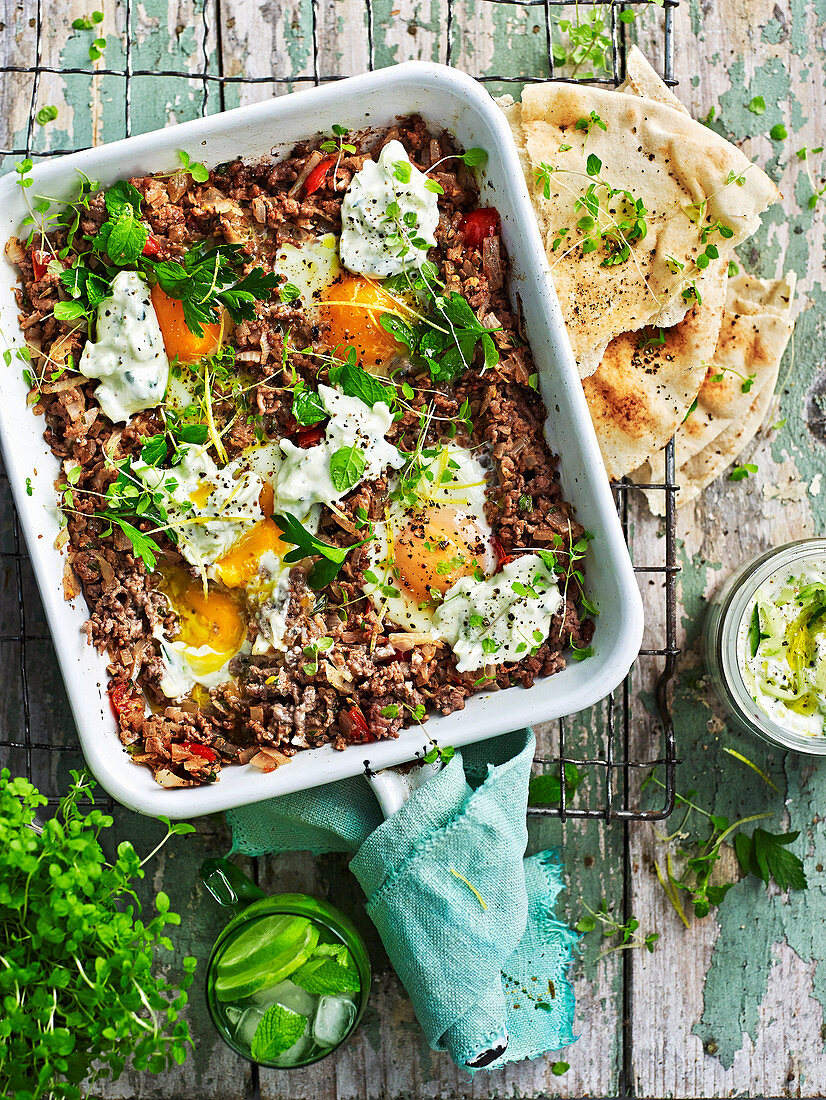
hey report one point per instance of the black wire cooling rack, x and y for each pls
(610, 754)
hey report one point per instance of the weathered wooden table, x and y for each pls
(733, 1005)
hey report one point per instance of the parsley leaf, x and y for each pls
(143, 546)
(307, 545)
(206, 279)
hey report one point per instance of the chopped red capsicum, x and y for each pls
(124, 700)
(318, 175)
(502, 556)
(204, 751)
(308, 437)
(479, 224)
(40, 262)
(358, 725)
(152, 246)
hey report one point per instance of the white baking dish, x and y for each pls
(445, 98)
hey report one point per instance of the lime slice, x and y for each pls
(266, 972)
(260, 941)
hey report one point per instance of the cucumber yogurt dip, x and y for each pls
(782, 647)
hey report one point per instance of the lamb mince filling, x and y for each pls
(307, 494)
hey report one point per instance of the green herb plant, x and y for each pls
(625, 933)
(762, 854)
(80, 998)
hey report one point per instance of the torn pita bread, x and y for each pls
(647, 380)
(642, 80)
(737, 392)
(682, 172)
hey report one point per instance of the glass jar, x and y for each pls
(724, 637)
(328, 940)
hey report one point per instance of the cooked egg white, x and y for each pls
(310, 267)
(128, 355)
(500, 619)
(305, 478)
(421, 550)
(209, 508)
(366, 224)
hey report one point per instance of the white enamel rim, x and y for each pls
(444, 97)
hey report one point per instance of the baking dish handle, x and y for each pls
(228, 885)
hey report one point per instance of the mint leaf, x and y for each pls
(325, 975)
(308, 408)
(69, 311)
(279, 1029)
(346, 467)
(355, 382)
(124, 240)
(545, 790)
(123, 198)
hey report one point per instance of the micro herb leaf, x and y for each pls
(474, 158)
(757, 106)
(559, 1069)
(739, 473)
(46, 115)
(193, 168)
(288, 292)
(123, 198)
(278, 1030)
(778, 132)
(69, 311)
(346, 467)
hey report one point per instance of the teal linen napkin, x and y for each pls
(467, 922)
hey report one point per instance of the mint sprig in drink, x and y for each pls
(285, 988)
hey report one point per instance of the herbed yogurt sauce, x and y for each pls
(368, 221)
(781, 647)
(128, 355)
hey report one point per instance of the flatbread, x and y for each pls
(661, 156)
(643, 80)
(755, 330)
(639, 395)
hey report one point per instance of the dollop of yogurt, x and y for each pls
(502, 618)
(368, 227)
(128, 355)
(305, 477)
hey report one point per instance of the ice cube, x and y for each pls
(245, 1028)
(333, 1019)
(233, 1014)
(289, 995)
(297, 1052)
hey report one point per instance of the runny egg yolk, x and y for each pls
(351, 308)
(212, 619)
(240, 564)
(435, 549)
(178, 339)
